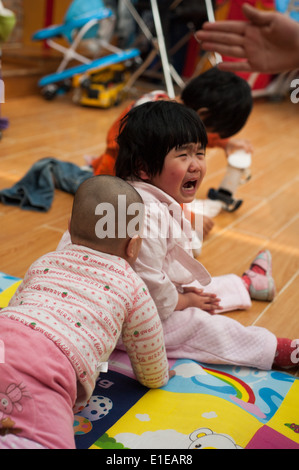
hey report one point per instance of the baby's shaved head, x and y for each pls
(97, 204)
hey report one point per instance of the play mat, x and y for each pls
(202, 406)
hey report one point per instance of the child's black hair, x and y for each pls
(226, 96)
(149, 131)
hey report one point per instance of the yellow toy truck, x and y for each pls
(103, 88)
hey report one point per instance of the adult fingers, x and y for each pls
(235, 66)
(229, 38)
(228, 26)
(224, 49)
(257, 17)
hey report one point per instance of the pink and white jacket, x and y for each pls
(83, 301)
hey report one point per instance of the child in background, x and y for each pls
(222, 100)
(162, 154)
(66, 317)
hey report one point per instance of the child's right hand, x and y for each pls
(194, 297)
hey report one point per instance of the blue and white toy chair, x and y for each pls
(83, 21)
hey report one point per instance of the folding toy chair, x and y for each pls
(84, 20)
(158, 43)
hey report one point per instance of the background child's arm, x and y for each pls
(233, 145)
(229, 145)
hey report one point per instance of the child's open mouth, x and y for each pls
(190, 185)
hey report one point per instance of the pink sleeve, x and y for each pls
(143, 338)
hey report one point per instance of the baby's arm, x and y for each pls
(193, 297)
(143, 338)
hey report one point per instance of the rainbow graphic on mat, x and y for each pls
(257, 392)
(244, 395)
(243, 391)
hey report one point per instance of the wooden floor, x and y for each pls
(269, 216)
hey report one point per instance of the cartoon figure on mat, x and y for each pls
(205, 438)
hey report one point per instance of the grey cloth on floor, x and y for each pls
(35, 191)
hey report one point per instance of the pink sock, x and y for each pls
(286, 353)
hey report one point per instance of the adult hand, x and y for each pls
(268, 41)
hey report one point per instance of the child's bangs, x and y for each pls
(185, 131)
